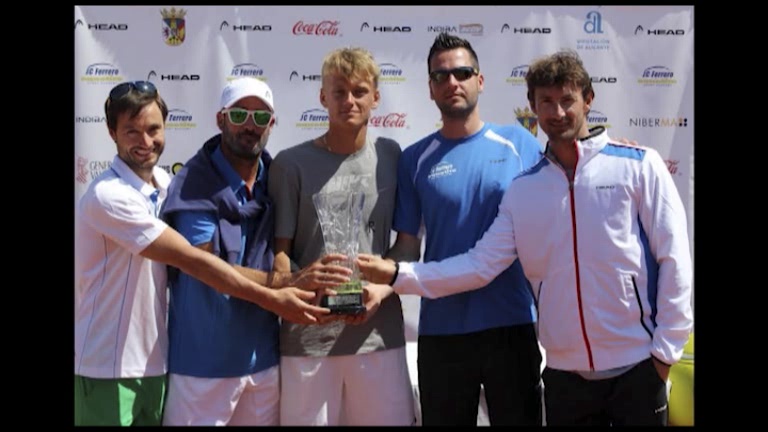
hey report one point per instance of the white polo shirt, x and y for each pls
(120, 296)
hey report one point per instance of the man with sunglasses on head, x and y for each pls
(450, 184)
(121, 341)
(351, 371)
(223, 355)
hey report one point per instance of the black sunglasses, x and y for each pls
(123, 89)
(460, 73)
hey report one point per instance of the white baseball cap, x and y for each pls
(245, 87)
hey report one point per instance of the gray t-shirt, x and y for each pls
(295, 175)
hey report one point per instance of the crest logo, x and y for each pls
(174, 26)
(528, 119)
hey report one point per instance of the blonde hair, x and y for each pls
(352, 62)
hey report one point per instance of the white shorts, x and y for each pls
(371, 389)
(251, 400)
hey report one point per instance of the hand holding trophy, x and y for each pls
(340, 215)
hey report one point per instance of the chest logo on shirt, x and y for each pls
(442, 169)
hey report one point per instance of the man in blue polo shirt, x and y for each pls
(450, 184)
(223, 355)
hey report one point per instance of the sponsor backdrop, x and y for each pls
(640, 59)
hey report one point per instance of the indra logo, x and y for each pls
(90, 119)
(313, 119)
(593, 26)
(528, 119)
(102, 73)
(246, 27)
(657, 122)
(174, 26)
(247, 70)
(385, 29)
(179, 119)
(302, 77)
(526, 30)
(173, 77)
(323, 28)
(87, 170)
(639, 30)
(390, 73)
(657, 76)
(597, 118)
(101, 26)
(391, 120)
(517, 76)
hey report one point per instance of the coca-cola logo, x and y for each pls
(395, 120)
(672, 165)
(324, 28)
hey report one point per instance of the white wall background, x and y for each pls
(641, 58)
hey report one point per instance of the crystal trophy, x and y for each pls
(341, 219)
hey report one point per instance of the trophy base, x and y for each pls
(344, 304)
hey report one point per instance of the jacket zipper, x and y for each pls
(576, 259)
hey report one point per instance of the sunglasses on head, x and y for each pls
(238, 116)
(460, 73)
(123, 89)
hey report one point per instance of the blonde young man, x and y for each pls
(121, 341)
(351, 371)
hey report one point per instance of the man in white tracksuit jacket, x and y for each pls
(601, 233)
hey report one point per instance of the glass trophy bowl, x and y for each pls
(341, 218)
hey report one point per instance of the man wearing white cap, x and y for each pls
(223, 354)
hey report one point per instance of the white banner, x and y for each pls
(640, 58)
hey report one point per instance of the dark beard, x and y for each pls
(457, 113)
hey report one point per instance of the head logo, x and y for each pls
(657, 76)
(391, 120)
(593, 23)
(604, 80)
(246, 27)
(173, 77)
(78, 22)
(390, 73)
(304, 77)
(313, 119)
(247, 70)
(101, 73)
(527, 30)
(517, 76)
(152, 74)
(387, 29)
(179, 119)
(659, 32)
(528, 119)
(174, 26)
(596, 118)
(323, 28)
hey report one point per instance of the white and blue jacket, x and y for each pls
(607, 256)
